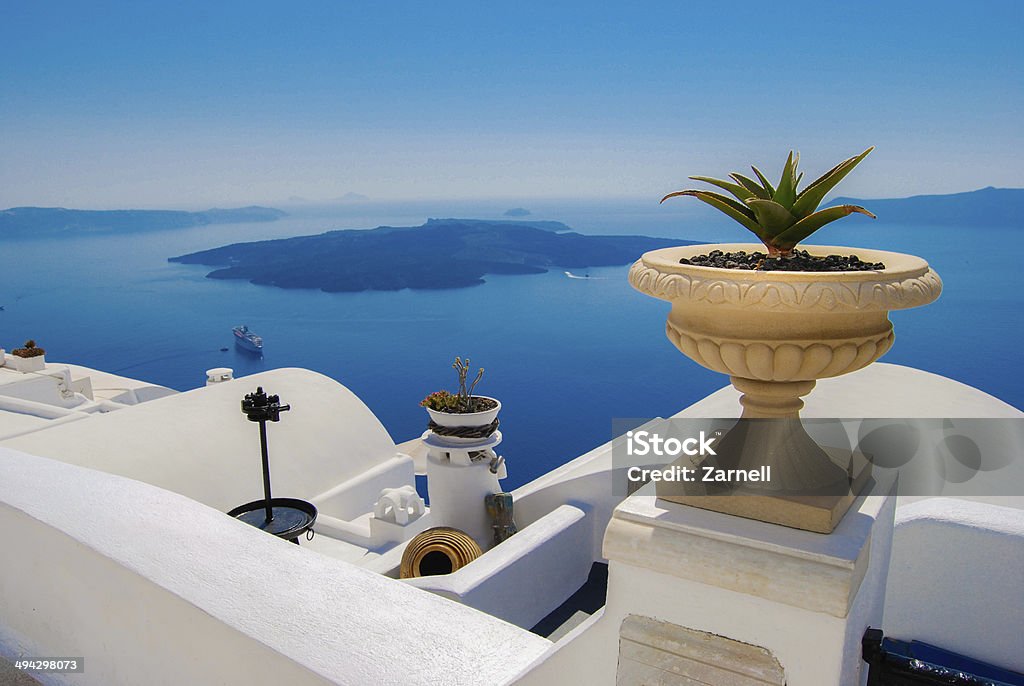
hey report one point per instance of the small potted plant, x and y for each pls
(29, 358)
(775, 319)
(462, 409)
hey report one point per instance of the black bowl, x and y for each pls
(292, 517)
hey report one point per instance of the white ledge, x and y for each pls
(333, 621)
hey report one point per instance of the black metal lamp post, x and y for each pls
(286, 518)
(259, 407)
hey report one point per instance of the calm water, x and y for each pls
(564, 355)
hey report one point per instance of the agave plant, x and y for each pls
(781, 216)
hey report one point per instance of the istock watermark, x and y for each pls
(980, 457)
(703, 474)
(642, 443)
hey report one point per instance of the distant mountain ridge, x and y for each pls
(442, 253)
(984, 207)
(19, 222)
(542, 224)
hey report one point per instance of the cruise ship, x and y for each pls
(118, 550)
(247, 340)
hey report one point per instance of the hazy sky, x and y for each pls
(179, 104)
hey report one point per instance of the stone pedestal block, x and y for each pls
(734, 596)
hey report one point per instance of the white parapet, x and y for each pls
(28, 365)
(956, 579)
(526, 576)
(151, 587)
(706, 588)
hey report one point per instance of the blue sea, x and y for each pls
(565, 356)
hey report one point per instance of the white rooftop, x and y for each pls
(119, 511)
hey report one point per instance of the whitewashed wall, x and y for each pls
(957, 579)
(153, 588)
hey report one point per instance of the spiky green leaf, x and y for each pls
(773, 217)
(808, 225)
(812, 196)
(855, 159)
(764, 181)
(824, 176)
(741, 213)
(752, 186)
(785, 192)
(739, 191)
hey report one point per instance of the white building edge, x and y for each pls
(116, 548)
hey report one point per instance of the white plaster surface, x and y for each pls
(119, 388)
(154, 588)
(957, 579)
(888, 390)
(822, 591)
(199, 443)
(801, 568)
(457, 489)
(356, 496)
(211, 443)
(15, 420)
(45, 386)
(880, 390)
(585, 479)
(528, 575)
(588, 652)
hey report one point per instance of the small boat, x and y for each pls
(247, 340)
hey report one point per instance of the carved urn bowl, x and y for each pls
(783, 327)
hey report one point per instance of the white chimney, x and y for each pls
(219, 375)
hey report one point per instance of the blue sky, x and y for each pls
(149, 104)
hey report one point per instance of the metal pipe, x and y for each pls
(266, 471)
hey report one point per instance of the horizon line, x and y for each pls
(514, 202)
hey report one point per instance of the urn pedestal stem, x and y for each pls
(771, 399)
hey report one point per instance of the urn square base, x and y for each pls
(818, 513)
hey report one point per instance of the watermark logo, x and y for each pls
(647, 443)
(938, 456)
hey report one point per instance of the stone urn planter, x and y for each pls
(775, 333)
